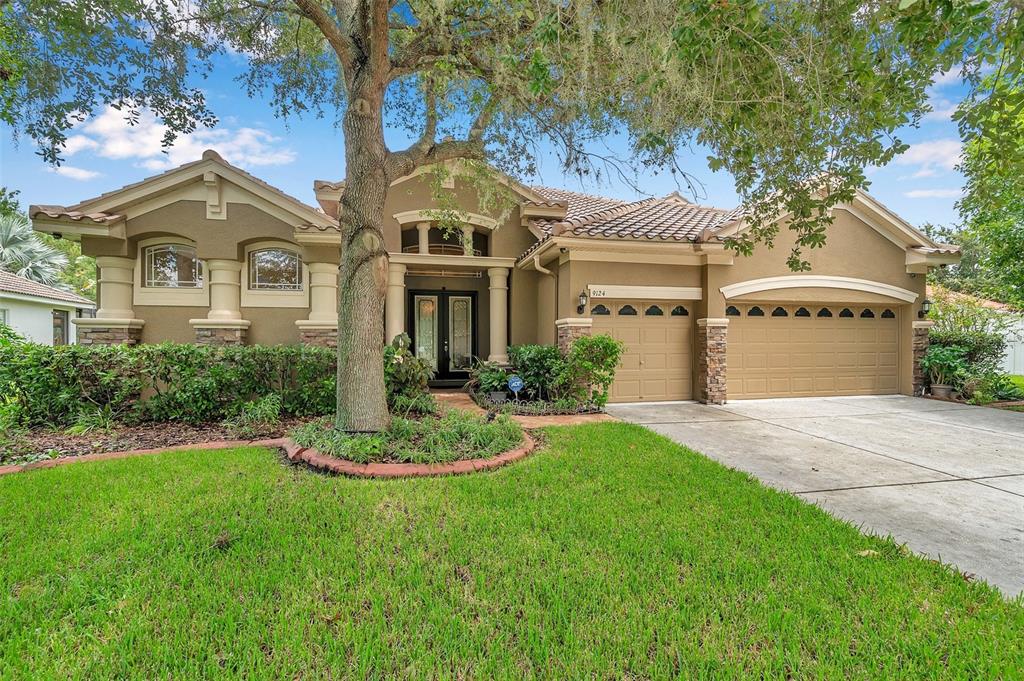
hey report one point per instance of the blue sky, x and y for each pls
(105, 153)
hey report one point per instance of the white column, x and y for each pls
(394, 307)
(323, 293)
(467, 240)
(424, 229)
(223, 278)
(499, 314)
(115, 281)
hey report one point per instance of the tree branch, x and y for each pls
(340, 42)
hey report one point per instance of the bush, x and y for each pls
(405, 374)
(62, 385)
(945, 364)
(488, 377)
(992, 387)
(588, 370)
(256, 417)
(538, 366)
(9, 336)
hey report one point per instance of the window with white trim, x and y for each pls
(275, 269)
(172, 266)
(5, 316)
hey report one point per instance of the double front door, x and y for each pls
(443, 329)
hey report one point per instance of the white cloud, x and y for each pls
(80, 174)
(110, 136)
(934, 194)
(77, 143)
(948, 78)
(931, 157)
(942, 108)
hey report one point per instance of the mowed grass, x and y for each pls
(611, 554)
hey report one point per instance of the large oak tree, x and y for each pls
(793, 98)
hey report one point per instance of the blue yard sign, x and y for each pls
(515, 384)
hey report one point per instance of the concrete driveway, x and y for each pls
(946, 479)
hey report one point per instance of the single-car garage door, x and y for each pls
(656, 362)
(802, 350)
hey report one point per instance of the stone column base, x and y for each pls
(220, 331)
(92, 331)
(318, 334)
(569, 329)
(919, 345)
(711, 370)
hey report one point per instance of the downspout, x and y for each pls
(543, 270)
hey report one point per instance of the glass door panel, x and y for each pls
(425, 328)
(460, 333)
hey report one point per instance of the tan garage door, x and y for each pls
(800, 350)
(656, 362)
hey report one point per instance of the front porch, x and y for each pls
(453, 307)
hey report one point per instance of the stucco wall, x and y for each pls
(34, 320)
(273, 325)
(166, 323)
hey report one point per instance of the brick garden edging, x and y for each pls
(315, 459)
(279, 442)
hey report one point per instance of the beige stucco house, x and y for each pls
(209, 253)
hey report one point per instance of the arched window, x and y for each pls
(780, 312)
(654, 311)
(680, 311)
(845, 313)
(824, 312)
(755, 312)
(888, 314)
(867, 313)
(275, 269)
(732, 311)
(600, 310)
(627, 311)
(173, 266)
(802, 312)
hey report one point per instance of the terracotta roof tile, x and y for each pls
(77, 216)
(12, 283)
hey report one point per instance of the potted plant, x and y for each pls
(491, 380)
(944, 364)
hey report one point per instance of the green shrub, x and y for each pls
(945, 364)
(589, 369)
(488, 377)
(94, 419)
(991, 387)
(255, 417)
(12, 414)
(538, 366)
(9, 336)
(405, 374)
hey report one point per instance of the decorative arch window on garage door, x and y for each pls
(867, 313)
(888, 314)
(780, 312)
(845, 313)
(627, 311)
(680, 311)
(600, 310)
(654, 311)
(755, 312)
(824, 312)
(802, 312)
(732, 311)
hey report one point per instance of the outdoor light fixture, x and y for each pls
(926, 307)
(583, 302)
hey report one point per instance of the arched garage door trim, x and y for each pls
(817, 281)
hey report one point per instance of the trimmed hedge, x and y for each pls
(165, 382)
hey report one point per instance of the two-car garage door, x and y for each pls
(656, 364)
(773, 350)
(802, 350)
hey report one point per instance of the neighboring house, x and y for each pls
(40, 313)
(207, 252)
(1013, 361)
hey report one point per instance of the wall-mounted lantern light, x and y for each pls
(583, 302)
(926, 307)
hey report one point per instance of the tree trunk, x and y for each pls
(361, 400)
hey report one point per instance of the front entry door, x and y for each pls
(443, 330)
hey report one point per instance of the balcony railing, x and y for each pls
(439, 249)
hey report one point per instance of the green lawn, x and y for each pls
(1019, 380)
(612, 554)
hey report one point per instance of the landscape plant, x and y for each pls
(588, 370)
(537, 365)
(945, 365)
(793, 99)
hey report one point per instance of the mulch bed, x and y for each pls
(37, 445)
